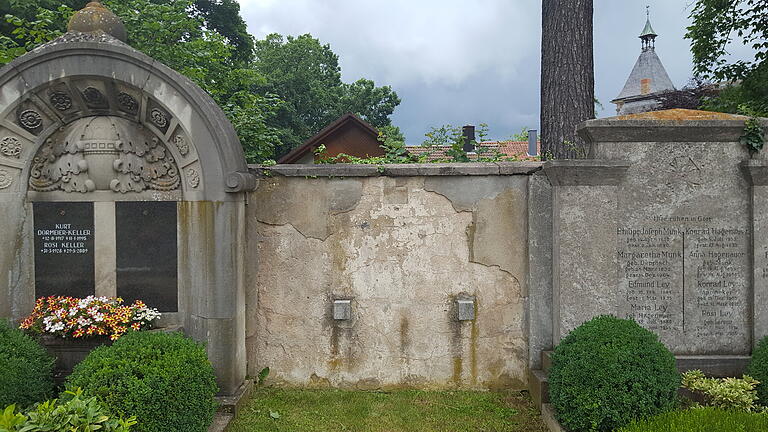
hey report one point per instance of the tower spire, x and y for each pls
(648, 36)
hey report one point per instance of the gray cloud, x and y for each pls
(464, 62)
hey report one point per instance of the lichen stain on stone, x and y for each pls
(405, 340)
(681, 115)
(473, 336)
(318, 382)
(457, 371)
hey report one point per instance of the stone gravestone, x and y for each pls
(119, 176)
(660, 225)
(64, 249)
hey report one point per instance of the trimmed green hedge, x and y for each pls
(26, 368)
(164, 379)
(702, 420)
(608, 372)
(758, 369)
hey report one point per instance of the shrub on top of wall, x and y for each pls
(26, 369)
(608, 372)
(164, 379)
(758, 369)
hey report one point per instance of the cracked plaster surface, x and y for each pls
(402, 253)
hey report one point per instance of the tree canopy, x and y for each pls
(307, 76)
(277, 92)
(717, 26)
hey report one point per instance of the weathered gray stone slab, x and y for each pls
(684, 245)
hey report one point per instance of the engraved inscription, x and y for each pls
(64, 249)
(685, 277)
(63, 238)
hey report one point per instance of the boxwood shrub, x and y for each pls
(26, 368)
(608, 372)
(164, 379)
(702, 420)
(758, 369)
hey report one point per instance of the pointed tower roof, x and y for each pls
(648, 30)
(649, 75)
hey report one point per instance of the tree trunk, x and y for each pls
(567, 76)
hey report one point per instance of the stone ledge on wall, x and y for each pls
(399, 170)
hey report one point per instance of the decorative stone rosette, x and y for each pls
(104, 153)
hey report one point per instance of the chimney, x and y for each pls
(469, 137)
(533, 143)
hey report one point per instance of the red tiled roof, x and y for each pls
(517, 150)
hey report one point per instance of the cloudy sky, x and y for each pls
(470, 62)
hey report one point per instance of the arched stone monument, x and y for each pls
(119, 176)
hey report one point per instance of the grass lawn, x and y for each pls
(283, 410)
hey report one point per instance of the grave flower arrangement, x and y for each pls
(70, 317)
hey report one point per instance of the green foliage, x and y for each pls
(263, 375)
(72, 413)
(718, 24)
(277, 92)
(753, 137)
(608, 372)
(298, 410)
(702, 420)
(522, 136)
(714, 25)
(758, 369)
(725, 393)
(306, 75)
(164, 379)
(27, 369)
(25, 34)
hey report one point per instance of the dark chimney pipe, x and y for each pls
(533, 141)
(469, 138)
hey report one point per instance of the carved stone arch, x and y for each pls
(52, 95)
(75, 72)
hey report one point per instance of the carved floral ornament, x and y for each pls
(104, 153)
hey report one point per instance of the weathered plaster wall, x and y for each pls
(403, 248)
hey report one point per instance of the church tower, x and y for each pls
(647, 80)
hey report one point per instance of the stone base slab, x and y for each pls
(548, 416)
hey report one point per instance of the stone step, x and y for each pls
(715, 366)
(538, 386)
(719, 366)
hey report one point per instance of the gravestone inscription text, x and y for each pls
(64, 258)
(687, 279)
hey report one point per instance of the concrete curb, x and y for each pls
(548, 416)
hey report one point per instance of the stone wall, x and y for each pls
(403, 246)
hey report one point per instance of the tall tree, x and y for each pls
(221, 16)
(306, 74)
(717, 25)
(567, 76)
(171, 31)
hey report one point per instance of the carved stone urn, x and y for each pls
(104, 153)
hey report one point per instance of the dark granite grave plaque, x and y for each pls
(147, 264)
(64, 262)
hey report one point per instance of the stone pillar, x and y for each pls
(585, 223)
(539, 320)
(756, 172)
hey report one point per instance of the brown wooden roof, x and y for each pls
(313, 143)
